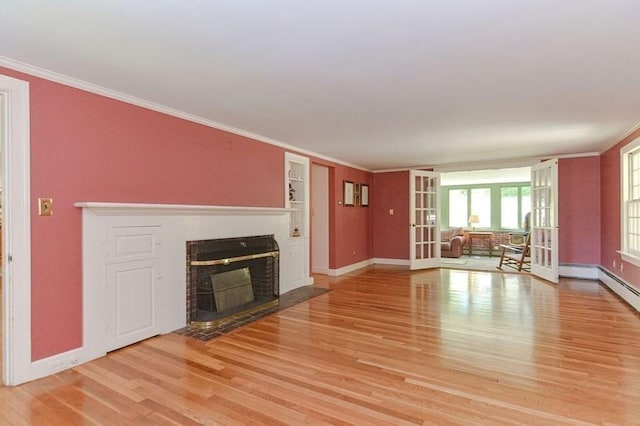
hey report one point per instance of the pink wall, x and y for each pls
(391, 232)
(610, 216)
(86, 147)
(352, 228)
(579, 210)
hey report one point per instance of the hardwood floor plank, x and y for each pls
(385, 346)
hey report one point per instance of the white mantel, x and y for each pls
(105, 208)
(172, 226)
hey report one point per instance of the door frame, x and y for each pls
(17, 366)
(319, 223)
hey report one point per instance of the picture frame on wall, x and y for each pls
(356, 195)
(364, 195)
(348, 193)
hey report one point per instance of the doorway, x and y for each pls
(486, 208)
(319, 219)
(2, 151)
(17, 366)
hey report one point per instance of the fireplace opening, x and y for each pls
(231, 277)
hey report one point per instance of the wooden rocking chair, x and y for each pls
(516, 256)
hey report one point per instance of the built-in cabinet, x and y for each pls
(297, 198)
(133, 264)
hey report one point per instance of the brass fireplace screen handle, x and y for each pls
(233, 259)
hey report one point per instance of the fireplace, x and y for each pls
(230, 277)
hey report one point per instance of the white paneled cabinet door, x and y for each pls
(132, 285)
(132, 300)
(544, 217)
(424, 193)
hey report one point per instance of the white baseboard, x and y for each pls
(349, 268)
(60, 362)
(627, 292)
(384, 261)
(323, 271)
(570, 270)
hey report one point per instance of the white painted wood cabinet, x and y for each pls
(132, 285)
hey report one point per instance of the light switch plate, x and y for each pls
(45, 206)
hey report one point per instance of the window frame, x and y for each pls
(496, 213)
(627, 253)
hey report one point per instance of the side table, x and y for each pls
(481, 235)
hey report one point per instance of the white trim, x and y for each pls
(617, 287)
(387, 261)
(113, 94)
(620, 138)
(585, 272)
(349, 268)
(116, 209)
(16, 296)
(494, 164)
(321, 271)
(624, 194)
(627, 257)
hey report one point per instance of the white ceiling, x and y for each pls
(380, 84)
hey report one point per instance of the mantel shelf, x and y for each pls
(108, 209)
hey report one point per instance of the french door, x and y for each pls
(544, 217)
(424, 208)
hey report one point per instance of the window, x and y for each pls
(499, 206)
(630, 209)
(481, 206)
(464, 202)
(458, 207)
(515, 203)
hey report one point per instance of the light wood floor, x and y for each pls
(386, 346)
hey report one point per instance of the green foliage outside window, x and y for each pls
(499, 206)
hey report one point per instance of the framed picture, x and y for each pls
(356, 195)
(364, 195)
(348, 193)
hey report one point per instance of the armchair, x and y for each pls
(452, 241)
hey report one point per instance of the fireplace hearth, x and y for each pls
(230, 277)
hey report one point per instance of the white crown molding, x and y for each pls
(119, 96)
(620, 138)
(487, 165)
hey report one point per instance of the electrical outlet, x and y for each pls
(354, 253)
(59, 365)
(621, 267)
(391, 212)
(614, 263)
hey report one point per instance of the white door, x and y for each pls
(424, 208)
(544, 220)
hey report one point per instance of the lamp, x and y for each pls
(473, 219)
